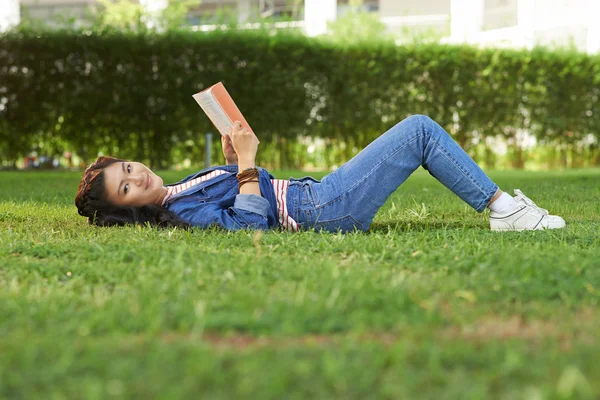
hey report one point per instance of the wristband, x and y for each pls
(248, 173)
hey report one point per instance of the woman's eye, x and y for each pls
(126, 189)
(129, 168)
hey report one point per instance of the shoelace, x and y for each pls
(528, 201)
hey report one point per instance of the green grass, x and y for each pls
(427, 305)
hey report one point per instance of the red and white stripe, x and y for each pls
(281, 188)
(172, 190)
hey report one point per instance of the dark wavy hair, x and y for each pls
(91, 201)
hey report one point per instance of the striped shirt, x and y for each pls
(280, 186)
(281, 189)
(173, 190)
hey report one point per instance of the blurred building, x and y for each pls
(508, 23)
(207, 12)
(10, 14)
(49, 11)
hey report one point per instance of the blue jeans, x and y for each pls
(349, 197)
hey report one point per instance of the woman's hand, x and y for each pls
(245, 143)
(228, 151)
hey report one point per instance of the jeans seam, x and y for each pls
(368, 175)
(457, 165)
(317, 221)
(465, 173)
(489, 197)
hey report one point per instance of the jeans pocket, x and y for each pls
(308, 195)
(344, 224)
(306, 190)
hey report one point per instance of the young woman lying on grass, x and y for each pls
(240, 195)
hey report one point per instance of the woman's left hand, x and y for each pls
(228, 151)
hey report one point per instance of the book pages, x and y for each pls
(214, 111)
(218, 105)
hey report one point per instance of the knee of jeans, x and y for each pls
(428, 124)
(414, 122)
(418, 118)
(421, 122)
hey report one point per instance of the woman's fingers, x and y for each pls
(237, 127)
(243, 136)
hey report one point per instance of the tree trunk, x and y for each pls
(519, 161)
(488, 157)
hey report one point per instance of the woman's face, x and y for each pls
(133, 184)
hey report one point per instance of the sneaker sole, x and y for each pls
(525, 229)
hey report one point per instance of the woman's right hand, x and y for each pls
(245, 143)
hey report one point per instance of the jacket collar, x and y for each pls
(233, 168)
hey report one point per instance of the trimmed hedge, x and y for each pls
(130, 95)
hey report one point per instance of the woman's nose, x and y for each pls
(139, 179)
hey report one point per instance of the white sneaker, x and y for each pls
(526, 217)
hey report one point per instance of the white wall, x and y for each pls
(9, 14)
(397, 8)
(55, 2)
(316, 15)
(153, 8)
(500, 13)
(525, 22)
(466, 19)
(244, 10)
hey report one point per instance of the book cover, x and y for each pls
(220, 108)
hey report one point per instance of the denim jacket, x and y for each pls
(218, 202)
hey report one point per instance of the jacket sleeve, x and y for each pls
(249, 211)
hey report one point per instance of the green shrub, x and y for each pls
(130, 94)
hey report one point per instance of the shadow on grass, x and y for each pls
(424, 226)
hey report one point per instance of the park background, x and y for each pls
(429, 303)
(514, 82)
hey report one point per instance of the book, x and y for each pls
(220, 108)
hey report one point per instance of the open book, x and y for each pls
(220, 108)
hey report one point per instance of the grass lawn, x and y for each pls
(428, 304)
